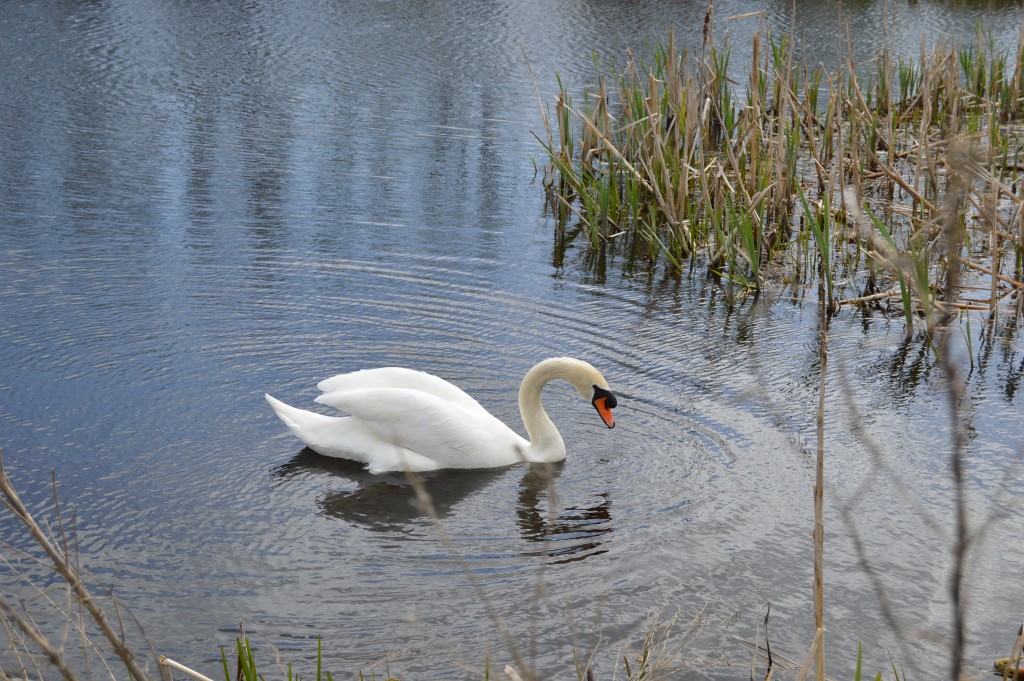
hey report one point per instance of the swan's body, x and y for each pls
(406, 420)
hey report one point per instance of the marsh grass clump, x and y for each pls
(670, 161)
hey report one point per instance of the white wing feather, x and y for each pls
(398, 377)
(449, 434)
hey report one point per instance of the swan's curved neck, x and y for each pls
(545, 441)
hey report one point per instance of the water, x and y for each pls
(203, 203)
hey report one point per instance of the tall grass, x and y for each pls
(667, 156)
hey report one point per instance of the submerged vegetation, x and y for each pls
(802, 176)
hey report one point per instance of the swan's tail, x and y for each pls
(344, 437)
(308, 426)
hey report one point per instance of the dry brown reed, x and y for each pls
(45, 628)
(771, 184)
(82, 612)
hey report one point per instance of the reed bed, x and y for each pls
(801, 176)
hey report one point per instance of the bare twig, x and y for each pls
(30, 630)
(425, 504)
(819, 500)
(69, 573)
(958, 184)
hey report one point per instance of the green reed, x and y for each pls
(665, 150)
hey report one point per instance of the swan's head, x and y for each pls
(587, 380)
(591, 385)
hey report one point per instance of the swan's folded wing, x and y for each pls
(450, 434)
(399, 377)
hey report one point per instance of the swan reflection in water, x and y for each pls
(387, 503)
(572, 533)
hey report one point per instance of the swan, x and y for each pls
(407, 420)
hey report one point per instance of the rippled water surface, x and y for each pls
(202, 203)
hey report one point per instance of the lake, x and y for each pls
(201, 203)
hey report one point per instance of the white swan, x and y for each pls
(405, 420)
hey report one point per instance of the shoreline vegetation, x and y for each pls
(889, 185)
(800, 177)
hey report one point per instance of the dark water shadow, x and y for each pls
(386, 503)
(568, 534)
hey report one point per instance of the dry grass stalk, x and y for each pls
(819, 502)
(424, 503)
(61, 562)
(815, 651)
(28, 628)
(1011, 666)
(952, 235)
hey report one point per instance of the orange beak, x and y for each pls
(604, 401)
